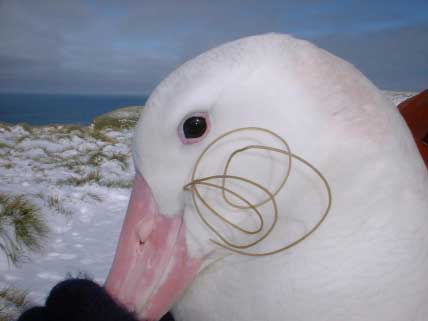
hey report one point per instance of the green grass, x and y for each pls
(122, 159)
(55, 203)
(98, 135)
(5, 127)
(8, 165)
(98, 157)
(72, 163)
(92, 177)
(67, 129)
(22, 138)
(112, 123)
(84, 133)
(117, 184)
(59, 135)
(12, 303)
(22, 227)
(26, 127)
(42, 159)
(106, 122)
(94, 197)
(119, 119)
(4, 145)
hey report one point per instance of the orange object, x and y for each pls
(415, 112)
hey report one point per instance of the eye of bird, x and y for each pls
(194, 127)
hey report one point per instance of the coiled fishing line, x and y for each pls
(270, 195)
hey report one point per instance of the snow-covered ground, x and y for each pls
(80, 178)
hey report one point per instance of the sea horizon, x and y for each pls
(61, 108)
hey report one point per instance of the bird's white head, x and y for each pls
(330, 115)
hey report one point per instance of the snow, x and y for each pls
(84, 218)
(398, 96)
(52, 167)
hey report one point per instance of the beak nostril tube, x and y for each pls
(144, 229)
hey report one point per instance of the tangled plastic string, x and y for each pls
(270, 196)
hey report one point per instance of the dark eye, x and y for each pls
(194, 127)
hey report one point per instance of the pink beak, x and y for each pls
(151, 267)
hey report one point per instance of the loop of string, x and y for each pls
(270, 196)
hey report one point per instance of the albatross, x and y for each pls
(189, 247)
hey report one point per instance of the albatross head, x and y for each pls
(365, 262)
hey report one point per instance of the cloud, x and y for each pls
(129, 46)
(392, 59)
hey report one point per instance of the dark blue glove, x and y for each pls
(80, 300)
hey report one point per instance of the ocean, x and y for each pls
(43, 109)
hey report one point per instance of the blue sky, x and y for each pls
(127, 47)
